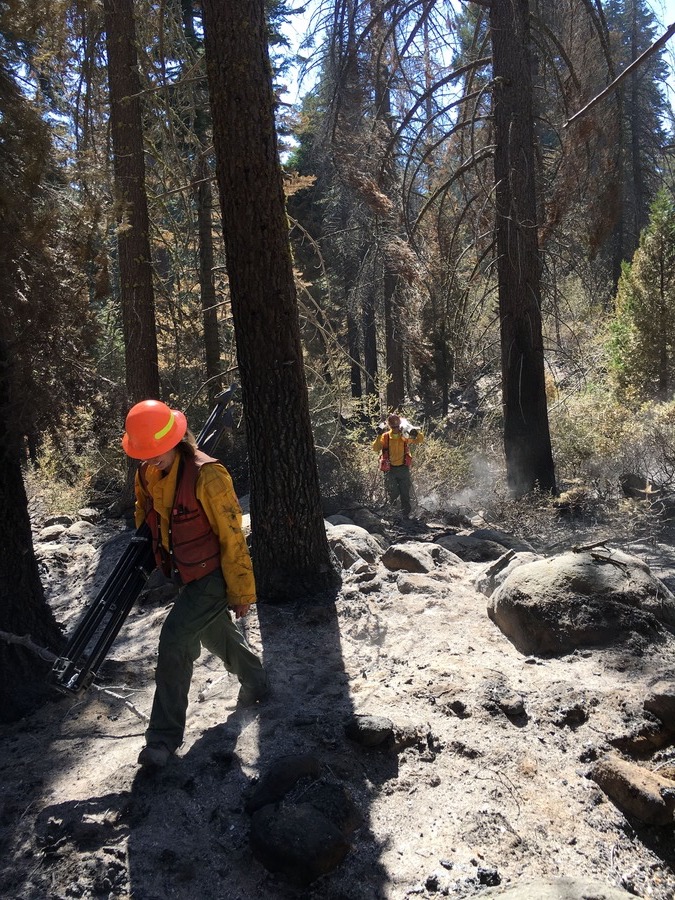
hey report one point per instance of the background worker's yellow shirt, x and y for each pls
(396, 448)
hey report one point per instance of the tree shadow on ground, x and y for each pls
(189, 825)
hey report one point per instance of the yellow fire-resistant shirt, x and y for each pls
(216, 494)
(396, 442)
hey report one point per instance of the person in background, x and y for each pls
(188, 501)
(393, 445)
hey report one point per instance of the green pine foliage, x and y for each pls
(641, 352)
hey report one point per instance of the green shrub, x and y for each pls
(67, 477)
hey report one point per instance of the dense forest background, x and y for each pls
(461, 252)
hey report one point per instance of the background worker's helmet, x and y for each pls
(152, 428)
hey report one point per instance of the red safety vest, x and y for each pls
(385, 465)
(194, 549)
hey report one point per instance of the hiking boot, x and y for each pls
(249, 696)
(154, 756)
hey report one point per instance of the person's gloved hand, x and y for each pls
(413, 432)
(382, 427)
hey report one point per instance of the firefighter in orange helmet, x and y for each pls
(188, 502)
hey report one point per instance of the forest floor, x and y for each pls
(479, 800)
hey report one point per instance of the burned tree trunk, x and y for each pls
(290, 551)
(527, 441)
(131, 203)
(23, 609)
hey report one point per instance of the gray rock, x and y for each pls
(338, 519)
(350, 543)
(581, 599)
(52, 550)
(636, 791)
(661, 700)
(508, 541)
(496, 573)
(66, 521)
(559, 889)
(364, 518)
(361, 569)
(82, 531)
(422, 584)
(88, 514)
(470, 548)
(417, 556)
(370, 731)
(298, 842)
(50, 533)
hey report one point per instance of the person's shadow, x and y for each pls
(188, 824)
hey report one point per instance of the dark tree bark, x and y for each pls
(640, 194)
(527, 441)
(369, 341)
(291, 556)
(207, 287)
(204, 204)
(23, 276)
(353, 349)
(393, 325)
(393, 341)
(133, 239)
(23, 608)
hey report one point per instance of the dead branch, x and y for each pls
(634, 65)
(26, 641)
(582, 548)
(129, 705)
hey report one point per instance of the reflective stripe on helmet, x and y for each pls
(167, 428)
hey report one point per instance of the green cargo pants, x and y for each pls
(199, 617)
(397, 483)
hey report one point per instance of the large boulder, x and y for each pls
(350, 543)
(590, 598)
(508, 541)
(417, 556)
(470, 548)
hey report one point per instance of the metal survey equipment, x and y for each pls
(94, 634)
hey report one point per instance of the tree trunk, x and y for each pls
(353, 349)
(131, 205)
(640, 198)
(369, 341)
(23, 608)
(393, 319)
(291, 555)
(203, 195)
(207, 286)
(527, 442)
(393, 341)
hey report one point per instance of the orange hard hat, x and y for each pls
(152, 428)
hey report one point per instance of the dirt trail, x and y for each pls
(494, 789)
